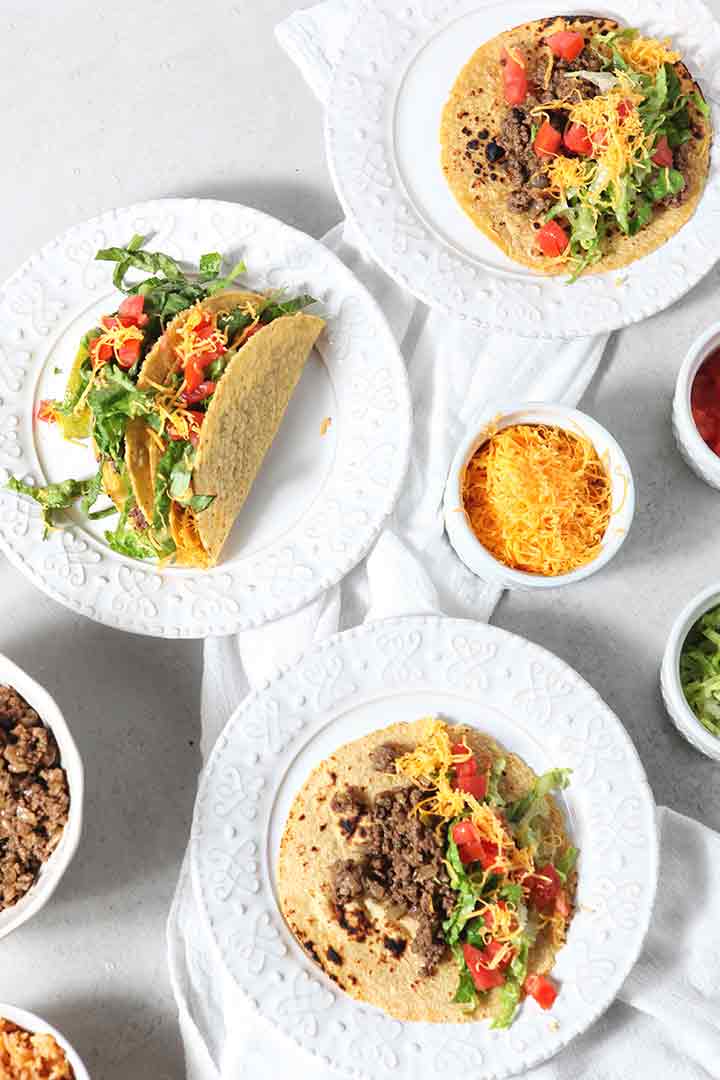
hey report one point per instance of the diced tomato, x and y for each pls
(46, 412)
(463, 768)
(100, 351)
(199, 393)
(110, 322)
(540, 988)
(514, 75)
(195, 420)
(599, 139)
(576, 138)
(474, 783)
(129, 353)
(624, 108)
(472, 847)
(663, 155)
(548, 140)
(492, 949)
(562, 904)
(567, 44)
(485, 853)
(132, 311)
(552, 239)
(484, 978)
(204, 329)
(544, 886)
(464, 832)
(194, 372)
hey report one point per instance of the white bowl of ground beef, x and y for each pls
(37, 773)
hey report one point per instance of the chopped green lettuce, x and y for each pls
(700, 670)
(58, 496)
(565, 864)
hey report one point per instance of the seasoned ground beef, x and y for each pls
(562, 87)
(34, 797)
(347, 881)
(515, 131)
(403, 866)
(383, 757)
(525, 202)
(681, 161)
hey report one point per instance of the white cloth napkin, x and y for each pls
(454, 370)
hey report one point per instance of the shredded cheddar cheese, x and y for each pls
(538, 499)
(549, 69)
(646, 55)
(172, 414)
(429, 765)
(190, 550)
(613, 124)
(117, 336)
(188, 343)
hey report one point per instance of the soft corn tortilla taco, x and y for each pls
(367, 943)
(521, 126)
(192, 471)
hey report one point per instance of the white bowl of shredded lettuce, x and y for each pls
(690, 672)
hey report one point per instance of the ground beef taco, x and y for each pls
(576, 145)
(428, 872)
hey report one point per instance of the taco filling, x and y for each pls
(428, 872)
(576, 144)
(172, 389)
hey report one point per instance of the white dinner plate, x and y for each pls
(320, 499)
(398, 66)
(370, 677)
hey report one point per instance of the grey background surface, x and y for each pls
(108, 104)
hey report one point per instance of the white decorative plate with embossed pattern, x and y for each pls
(365, 679)
(399, 63)
(320, 499)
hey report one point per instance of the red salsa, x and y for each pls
(705, 401)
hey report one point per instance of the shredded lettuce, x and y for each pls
(700, 670)
(630, 202)
(566, 863)
(126, 539)
(466, 993)
(59, 496)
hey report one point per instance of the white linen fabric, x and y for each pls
(669, 1016)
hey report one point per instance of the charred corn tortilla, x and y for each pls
(241, 422)
(477, 106)
(363, 964)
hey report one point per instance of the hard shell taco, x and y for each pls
(429, 873)
(221, 377)
(576, 145)
(180, 392)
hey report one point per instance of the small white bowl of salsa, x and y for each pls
(696, 407)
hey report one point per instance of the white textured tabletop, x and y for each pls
(110, 104)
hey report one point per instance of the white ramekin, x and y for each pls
(476, 557)
(52, 871)
(701, 459)
(676, 704)
(38, 1026)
